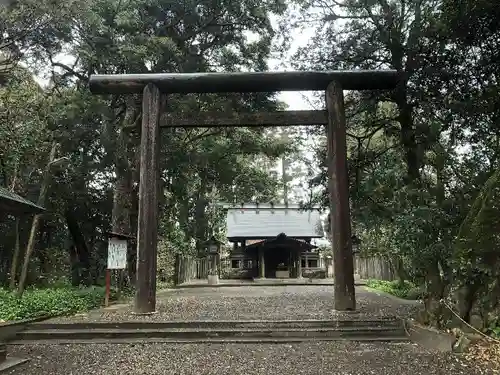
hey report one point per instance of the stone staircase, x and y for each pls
(256, 331)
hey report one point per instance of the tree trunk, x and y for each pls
(408, 136)
(200, 221)
(469, 298)
(132, 254)
(75, 266)
(42, 254)
(80, 246)
(122, 197)
(15, 257)
(134, 214)
(400, 270)
(284, 165)
(435, 293)
(122, 200)
(36, 220)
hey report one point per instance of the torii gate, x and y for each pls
(155, 87)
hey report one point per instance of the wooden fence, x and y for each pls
(190, 268)
(374, 268)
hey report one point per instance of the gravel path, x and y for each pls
(251, 302)
(346, 358)
(287, 302)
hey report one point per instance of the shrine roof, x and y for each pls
(12, 203)
(264, 221)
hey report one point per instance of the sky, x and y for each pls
(294, 99)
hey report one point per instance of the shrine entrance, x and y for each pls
(279, 258)
(155, 88)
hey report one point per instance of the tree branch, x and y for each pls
(70, 70)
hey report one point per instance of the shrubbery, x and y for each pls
(397, 288)
(55, 301)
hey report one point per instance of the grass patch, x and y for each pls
(406, 290)
(55, 301)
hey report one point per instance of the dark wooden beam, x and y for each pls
(147, 231)
(184, 83)
(215, 119)
(339, 199)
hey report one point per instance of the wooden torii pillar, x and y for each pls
(153, 86)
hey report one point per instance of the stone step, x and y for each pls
(199, 333)
(207, 340)
(211, 324)
(9, 329)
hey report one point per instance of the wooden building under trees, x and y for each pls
(273, 241)
(13, 204)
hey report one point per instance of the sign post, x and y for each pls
(117, 258)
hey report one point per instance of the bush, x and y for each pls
(55, 301)
(314, 274)
(397, 288)
(415, 293)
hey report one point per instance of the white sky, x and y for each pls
(294, 99)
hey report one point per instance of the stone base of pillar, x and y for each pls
(347, 312)
(213, 279)
(142, 313)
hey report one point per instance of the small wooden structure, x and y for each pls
(12, 204)
(155, 87)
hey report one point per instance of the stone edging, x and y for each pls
(255, 284)
(430, 337)
(10, 328)
(7, 331)
(396, 298)
(25, 321)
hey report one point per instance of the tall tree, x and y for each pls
(96, 133)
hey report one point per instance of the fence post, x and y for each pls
(176, 270)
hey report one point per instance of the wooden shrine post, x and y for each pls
(338, 186)
(147, 231)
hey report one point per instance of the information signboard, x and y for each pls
(117, 254)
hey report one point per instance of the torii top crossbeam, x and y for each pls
(184, 83)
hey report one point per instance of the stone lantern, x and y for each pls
(213, 249)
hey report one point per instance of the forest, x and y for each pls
(423, 159)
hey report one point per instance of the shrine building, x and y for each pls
(274, 241)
